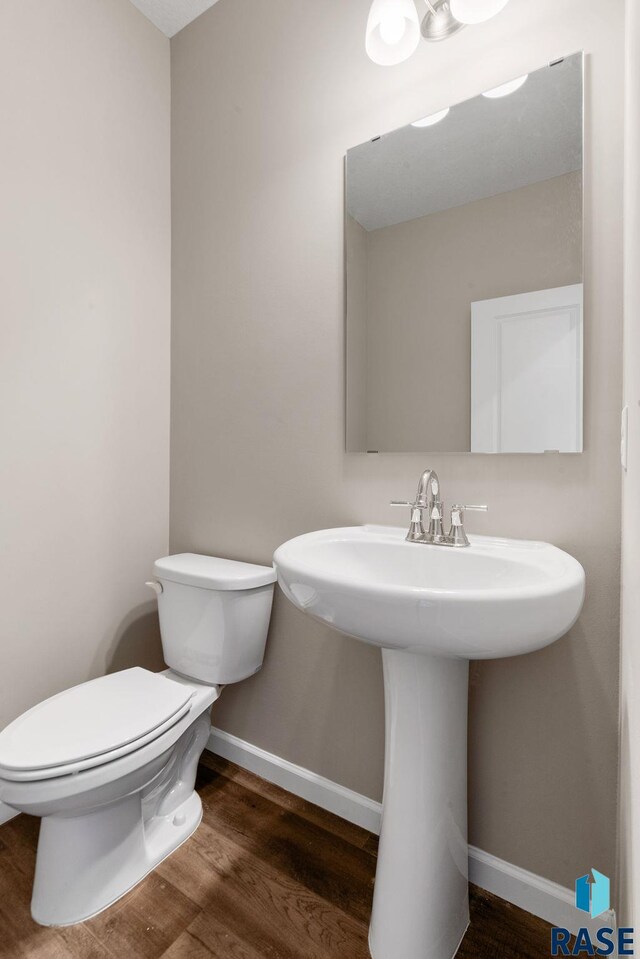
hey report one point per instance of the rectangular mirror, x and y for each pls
(464, 275)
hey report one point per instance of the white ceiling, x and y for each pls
(170, 16)
(482, 148)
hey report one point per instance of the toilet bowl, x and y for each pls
(110, 765)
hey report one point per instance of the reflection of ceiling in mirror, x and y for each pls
(482, 148)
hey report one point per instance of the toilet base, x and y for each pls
(86, 863)
(89, 859)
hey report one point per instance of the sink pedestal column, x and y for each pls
(420, 902)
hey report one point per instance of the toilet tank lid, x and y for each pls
(212, 572)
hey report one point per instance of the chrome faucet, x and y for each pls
(428, 498)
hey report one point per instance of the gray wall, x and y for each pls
(266, 100)
(84, 327)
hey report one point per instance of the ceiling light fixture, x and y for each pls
(393, 28)
(431, 119)
(439, 23)
(506, 88)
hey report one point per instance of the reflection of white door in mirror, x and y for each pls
(526, 372)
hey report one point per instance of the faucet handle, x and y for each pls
(416, 529)
(457, 535)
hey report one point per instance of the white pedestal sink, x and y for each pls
(431, 609)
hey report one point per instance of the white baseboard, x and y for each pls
(530, 892)
(7, 813)
(295, 779)
(536, 895)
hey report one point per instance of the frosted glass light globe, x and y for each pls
(431, 119)
(392, 28)
(476, 11)
(393, 31)
(506, 88)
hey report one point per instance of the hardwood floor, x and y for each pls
(266, 876)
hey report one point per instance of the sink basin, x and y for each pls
(496, 598)
(431, 609)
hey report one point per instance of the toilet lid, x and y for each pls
(112, 713)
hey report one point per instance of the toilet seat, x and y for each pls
(91, 724)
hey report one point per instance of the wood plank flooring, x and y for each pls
(266, 876)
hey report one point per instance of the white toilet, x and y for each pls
(110, 765)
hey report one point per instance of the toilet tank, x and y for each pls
(214, 616)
